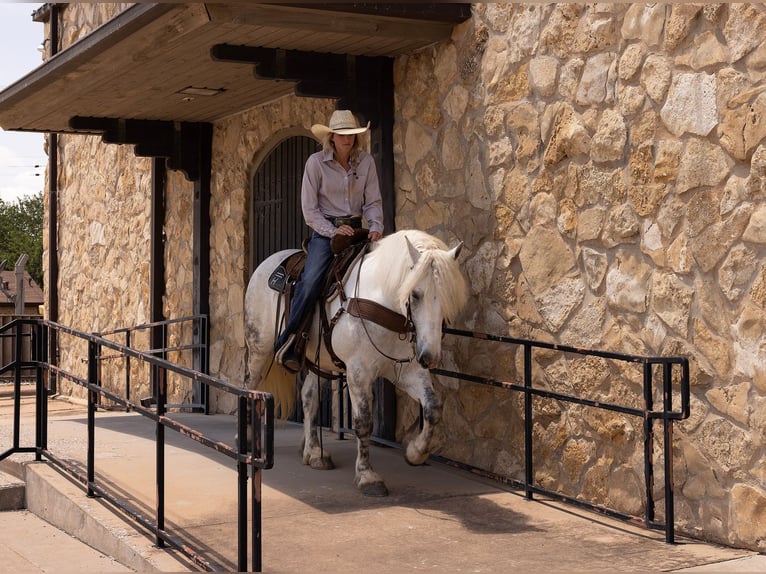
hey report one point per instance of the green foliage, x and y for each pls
(21, 231)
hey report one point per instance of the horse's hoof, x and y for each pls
(377, 489)
(415, 458)
(321, 464)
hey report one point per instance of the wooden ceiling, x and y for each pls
(137, 65)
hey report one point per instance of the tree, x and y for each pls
(21, 231)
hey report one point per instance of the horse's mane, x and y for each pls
(398, 277)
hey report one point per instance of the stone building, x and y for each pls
(603, 164)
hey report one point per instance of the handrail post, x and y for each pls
(242, 445)
(93, 354)
(17, 386)
(648, 445)
(162, 396)
(127, 369)
(667, 390)
(529, 475)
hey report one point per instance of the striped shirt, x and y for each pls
(328, 190)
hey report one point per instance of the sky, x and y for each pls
(20, 152)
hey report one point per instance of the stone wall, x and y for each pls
(604, 165)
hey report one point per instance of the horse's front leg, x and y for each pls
(416, 381)
(313, 453)
(360, 392)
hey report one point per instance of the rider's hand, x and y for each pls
(374, 235)
(345, 230)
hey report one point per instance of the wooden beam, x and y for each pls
(314, 18)
(179, 142)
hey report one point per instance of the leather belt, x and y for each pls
(354, 221)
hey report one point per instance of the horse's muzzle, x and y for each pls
(428, 360)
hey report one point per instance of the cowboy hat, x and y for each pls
(342, 122)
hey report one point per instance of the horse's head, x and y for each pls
(435, 293)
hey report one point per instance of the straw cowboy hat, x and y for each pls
(342, 122)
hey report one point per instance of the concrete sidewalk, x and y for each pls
(435, 518)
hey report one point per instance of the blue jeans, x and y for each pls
(309, 287)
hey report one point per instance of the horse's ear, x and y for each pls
(455, 251)
(414, 253)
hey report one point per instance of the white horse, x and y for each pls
(410, 273)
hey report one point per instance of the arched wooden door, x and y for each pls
(276, 220)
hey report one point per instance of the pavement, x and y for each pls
(436, 518)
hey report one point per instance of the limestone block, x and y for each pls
(418, 142)
(569, 138)
(734, 193)
(543, 209)
(445, 67)
(706, 51)
(481, 267)
(559, 33)
(476, 188)
(701, 211)
(545, 258)
(671, 300)
(679, 257)
(524, 33)
(741, 130)
(542, 75)
(608, 143)
(690, 106)
(702, 164)
(731, 401)
(622, 226)
(452, 153)
(594, 264)
(714, 347)
(557, 302)
(725, 443)
(627, 284)
(644, 22)
(743, 30)
(679, 24)
(630, 99)
(714, 241)
(590, 223)
(584, 328)
(567, 219)
(595, 85)
(456, 102)
(625, 490)
(568, 77)
(432, 214)
(748, 513)
(758, 288)
(630, 61)
(600, 185)
(736, 271)
(655, 77)
(576, 456)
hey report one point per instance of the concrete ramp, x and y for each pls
(436, 518)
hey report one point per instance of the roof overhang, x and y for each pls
(156, 61)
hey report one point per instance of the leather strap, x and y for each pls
(377, 313)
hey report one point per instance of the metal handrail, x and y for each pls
(200, 327)
(649, 414)
(250, 458)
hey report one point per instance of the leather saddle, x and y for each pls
(344, 247)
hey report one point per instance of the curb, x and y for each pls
(12, 492)
(63, 503)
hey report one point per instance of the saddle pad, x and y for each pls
(289, 269)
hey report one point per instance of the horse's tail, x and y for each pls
(281, 384)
